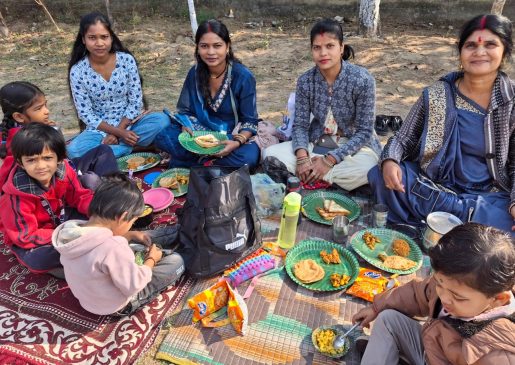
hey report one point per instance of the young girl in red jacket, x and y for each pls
(39, 186)
(468, 302)
(23, 103)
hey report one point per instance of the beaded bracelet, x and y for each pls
(303, 160)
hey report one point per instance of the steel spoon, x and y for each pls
(339, 340)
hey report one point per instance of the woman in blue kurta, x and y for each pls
(219, 94)
(106, 87)
(456, 150)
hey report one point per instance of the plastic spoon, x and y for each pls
(339, 341)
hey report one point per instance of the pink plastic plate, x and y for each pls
(158, 198)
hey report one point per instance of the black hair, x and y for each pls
(15, 97)
(34, 137)
(114, 196)
(79, 50)
(333, 27)
(481, 257)
(219, 28)
(497, 24)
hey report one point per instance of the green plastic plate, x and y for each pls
(316, 199)
(386, 236)
(122, 161)
(310, 249)
(188, 142)
(182, 189)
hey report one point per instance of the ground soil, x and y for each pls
(406, 59)
(403, 61)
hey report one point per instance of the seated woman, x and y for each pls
(219, 94)
(105, 84)
(456, 150)
(341, 97)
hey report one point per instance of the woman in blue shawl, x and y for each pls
(456, 150)
(219, 94)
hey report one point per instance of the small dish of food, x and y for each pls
(146, 218)
(323, 338)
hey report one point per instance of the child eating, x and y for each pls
(100, 267)
(468, 302)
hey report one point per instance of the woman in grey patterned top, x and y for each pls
(338, 144)
(456, 150)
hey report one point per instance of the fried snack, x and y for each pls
(397, 262)
(331, 209)
(330, 258)
(207, 141)
(338, 280)
(183, 179)
(134, 162)
(169, 182)
(401, 247)
(370, 240)
(150, 159)
(308, 271)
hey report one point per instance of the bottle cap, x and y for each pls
(292, 203)
(293, 183)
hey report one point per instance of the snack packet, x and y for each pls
(368, 284)
(209, 301)
(216, 301)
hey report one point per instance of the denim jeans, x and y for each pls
(146, 128)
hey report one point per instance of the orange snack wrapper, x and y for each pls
(209, 301)
(368, 284)
(216, 301)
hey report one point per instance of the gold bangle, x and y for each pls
(327, 162)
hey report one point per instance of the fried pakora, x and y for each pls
(330, 258)
(370, 240)
(401, 247)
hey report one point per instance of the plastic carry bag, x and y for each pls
(268, 194)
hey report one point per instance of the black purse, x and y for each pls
(324, 144)
(218, 223)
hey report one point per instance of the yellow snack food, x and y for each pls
(324, 340)
(368, 284)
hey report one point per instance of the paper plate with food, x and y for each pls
(321, 265)
(138, 161)
(322, 206)
(202, 142)
(323, 338)
(388, 250)
(175, 179)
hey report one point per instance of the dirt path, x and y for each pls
(403, 62)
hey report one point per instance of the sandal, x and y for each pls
(395, 123)
(381, 125)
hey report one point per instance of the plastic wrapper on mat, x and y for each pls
(216, 301)
(368, 284)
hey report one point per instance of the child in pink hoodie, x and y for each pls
(100, 266)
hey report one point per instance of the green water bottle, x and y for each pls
(289, 219)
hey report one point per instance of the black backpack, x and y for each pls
(218, 223)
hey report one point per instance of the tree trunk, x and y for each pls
(497, 7)
(42, 4)
(369, 18)
(4, 30)
(193, 17)
(109, 14)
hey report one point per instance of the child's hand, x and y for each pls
(366, 315)
(139, 236)
(155, 253)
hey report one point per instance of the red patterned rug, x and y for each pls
(41, 322)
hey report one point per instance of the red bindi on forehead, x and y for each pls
(479, 40)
